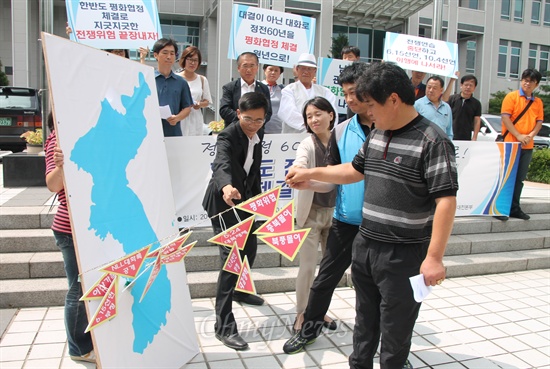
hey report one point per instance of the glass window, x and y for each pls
(502, 57)
(505, 10)
(539, 58)
(532, 61)
(535, 12)
(547, 13)
(509, 51)
(185, 33)
(471, 4)
(515, 54)
(518, 11)
(470, 57)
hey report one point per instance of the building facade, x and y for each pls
(497, 39)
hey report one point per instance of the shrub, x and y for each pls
(539, 168)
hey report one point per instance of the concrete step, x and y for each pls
(26, 240)
(26, 217)
(50, 264)
(51, 291)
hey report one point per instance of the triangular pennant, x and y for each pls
(245, 283)
(233, 264)
(237, 234)
(152, 277)
(288, 244)
(171, 247)
(107, 308)
(99, 289)
(177, 255)
(129, 265)
(281, 222)
(264, 204)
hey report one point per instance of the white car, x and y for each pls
(491, 126)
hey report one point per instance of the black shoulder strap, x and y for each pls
(520, 114)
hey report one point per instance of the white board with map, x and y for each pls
(120, 198)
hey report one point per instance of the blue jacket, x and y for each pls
(349, 198)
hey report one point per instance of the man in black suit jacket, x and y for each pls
(235, 178)
(247, 65)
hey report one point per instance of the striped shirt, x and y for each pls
(405, 171)
(61, 221)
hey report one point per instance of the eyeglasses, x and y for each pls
(194, 61)
(249, 120)
(249, 66)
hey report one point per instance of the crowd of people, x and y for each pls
(378, 190)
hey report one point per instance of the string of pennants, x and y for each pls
(277, 232)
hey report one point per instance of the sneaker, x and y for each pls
(520, 215)
(407, 365)
(296, 344)
(89, 357)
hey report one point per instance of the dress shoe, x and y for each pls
(234, 341)
(248, 299)
(501, 217)
(296, 344)
(330, 325)
(520, 215)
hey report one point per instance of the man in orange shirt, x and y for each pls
(525, 129)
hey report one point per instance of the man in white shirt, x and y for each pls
(295, 95)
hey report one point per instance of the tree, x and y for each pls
(338, 44)
(496, 102)
(4, 81)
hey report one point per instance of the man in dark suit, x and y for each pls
(247, 65)
(235, 178)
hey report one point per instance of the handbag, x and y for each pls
(500, 137)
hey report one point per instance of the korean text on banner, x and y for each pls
(422, 54)
(277, 38)
(327, 75)
(114, 24)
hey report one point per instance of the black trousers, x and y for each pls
(384, 304)
(225, 321)
(336, 260)
(525, 157)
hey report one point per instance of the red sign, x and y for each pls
(238, 234)
(245, 282)
(233, 264)
(129, 265)
(152, 277)
(287, 244)
(99, 289)
(171, 247)
(178, 255)
(264, 204)
(106, 310)
(281, 222)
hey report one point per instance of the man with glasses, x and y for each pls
(466, 110)
(247, 65)
(296, 94)
(172, 89)
(236, 177)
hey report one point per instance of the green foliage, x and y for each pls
(496, 102)
(338, 44)
(544, 94)
(4, 81)
(539, 168)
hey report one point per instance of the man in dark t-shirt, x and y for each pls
(466, 110)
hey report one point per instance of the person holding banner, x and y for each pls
(172, 90)
(247, 65)
(466, 110)
(272, 74)
(190, 61)
(296, 94)
(522, 113)
(419, 86)
(80, 344)
(345, 140)
(313, 210)
(433, 108)
(409, 204)
(236, 177)
(351, 53)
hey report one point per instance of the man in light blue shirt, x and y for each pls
(433, 108)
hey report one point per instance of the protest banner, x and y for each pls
(421, 54)
(328, 71)
(120, 199)
(114, 24)
(277, 38)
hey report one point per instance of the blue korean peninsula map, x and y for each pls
(105, 152)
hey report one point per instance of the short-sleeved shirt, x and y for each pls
(174, 92)
(405, 171)
(464, 112)
(440, 115)
(512, 105)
